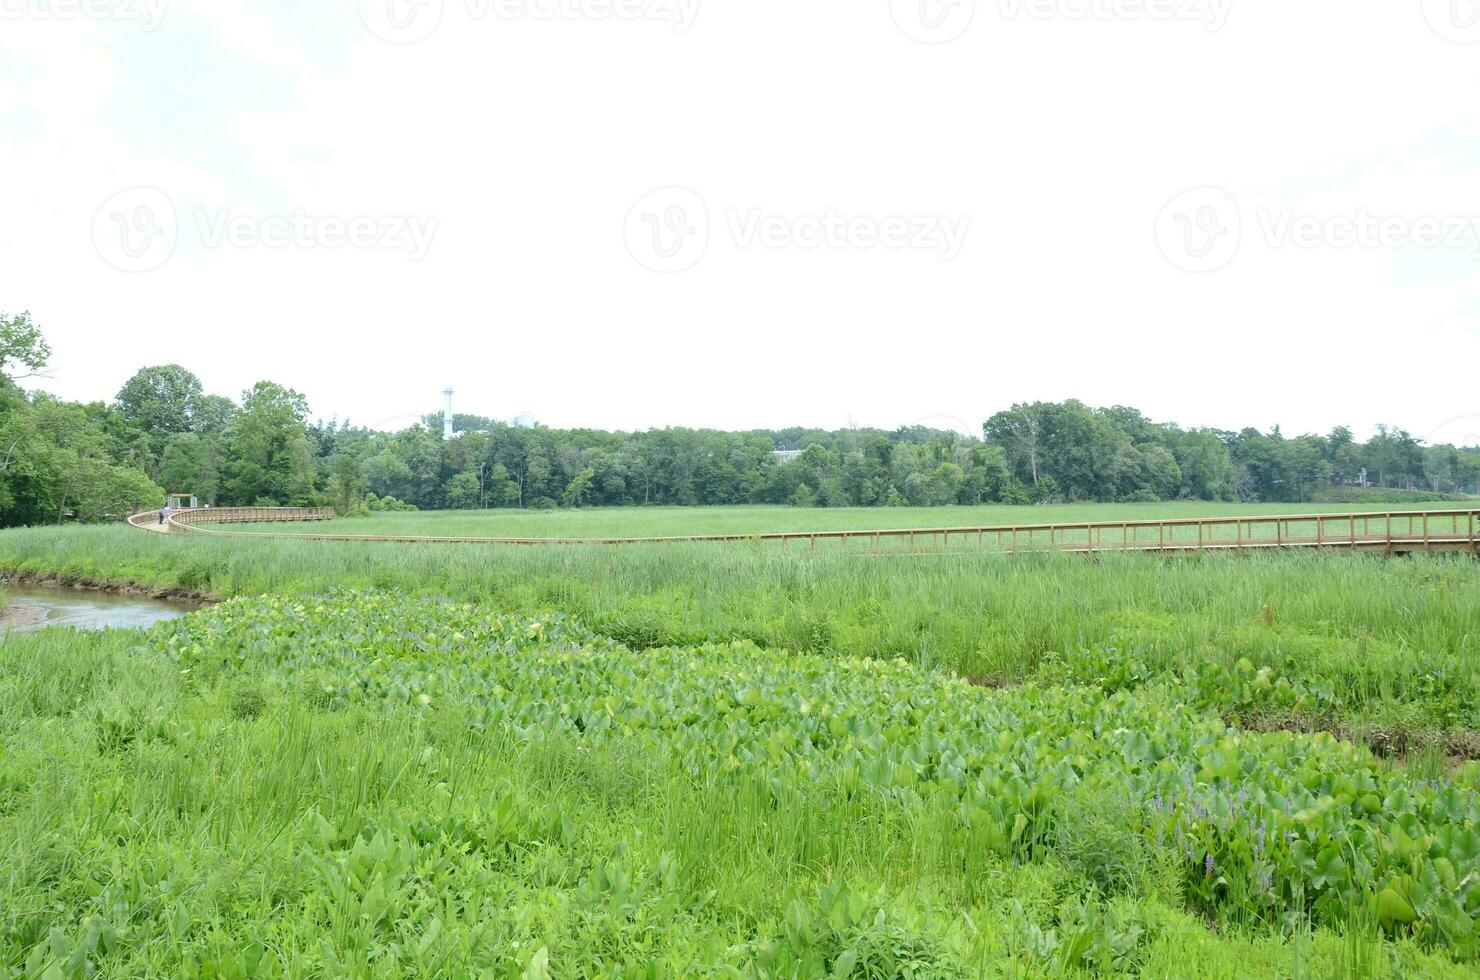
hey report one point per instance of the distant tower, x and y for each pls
(447, 416)
(525, 421)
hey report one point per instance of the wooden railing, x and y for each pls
(1387, 532)
(188, 520)
(144, 518)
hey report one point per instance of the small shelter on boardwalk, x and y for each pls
(182, 501)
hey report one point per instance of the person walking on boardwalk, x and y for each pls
(164, 513)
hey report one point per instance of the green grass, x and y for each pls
(702, 521)
(366, 785)
(685, 760)
(1360, 641)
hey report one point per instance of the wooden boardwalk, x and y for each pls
(1383, 532)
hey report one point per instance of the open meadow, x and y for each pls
(709, 521)
(693, 760)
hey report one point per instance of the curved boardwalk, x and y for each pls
(1384, 532)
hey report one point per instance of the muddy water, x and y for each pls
(30, 608)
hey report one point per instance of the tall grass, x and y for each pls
(1373, 634)
(156, 821)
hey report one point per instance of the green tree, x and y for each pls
(22, 346)
(1206, 467)
(268, 449)
(160, 401)
(464, 492)
(347, 483)
(579, 490)
(192, 463)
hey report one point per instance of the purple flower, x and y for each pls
(1208, 865)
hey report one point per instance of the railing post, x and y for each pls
(1426, 530)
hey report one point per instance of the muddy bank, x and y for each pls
(1397, 744)
(14, 616)
(173, 593)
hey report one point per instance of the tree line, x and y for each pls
(62, 460)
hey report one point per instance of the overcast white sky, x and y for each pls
(748, 213)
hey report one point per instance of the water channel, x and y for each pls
(29, 608)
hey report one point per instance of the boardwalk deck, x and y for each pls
(1386, 532)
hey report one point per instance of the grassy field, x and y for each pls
(686, 760)
(702, 521)
(1361, 642)
(374, 785)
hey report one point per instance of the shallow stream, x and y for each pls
(30, 608)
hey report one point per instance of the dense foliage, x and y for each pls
(369, 784)
(58, 460)
(1361, 645)
(163, 432)
(1031, 454)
